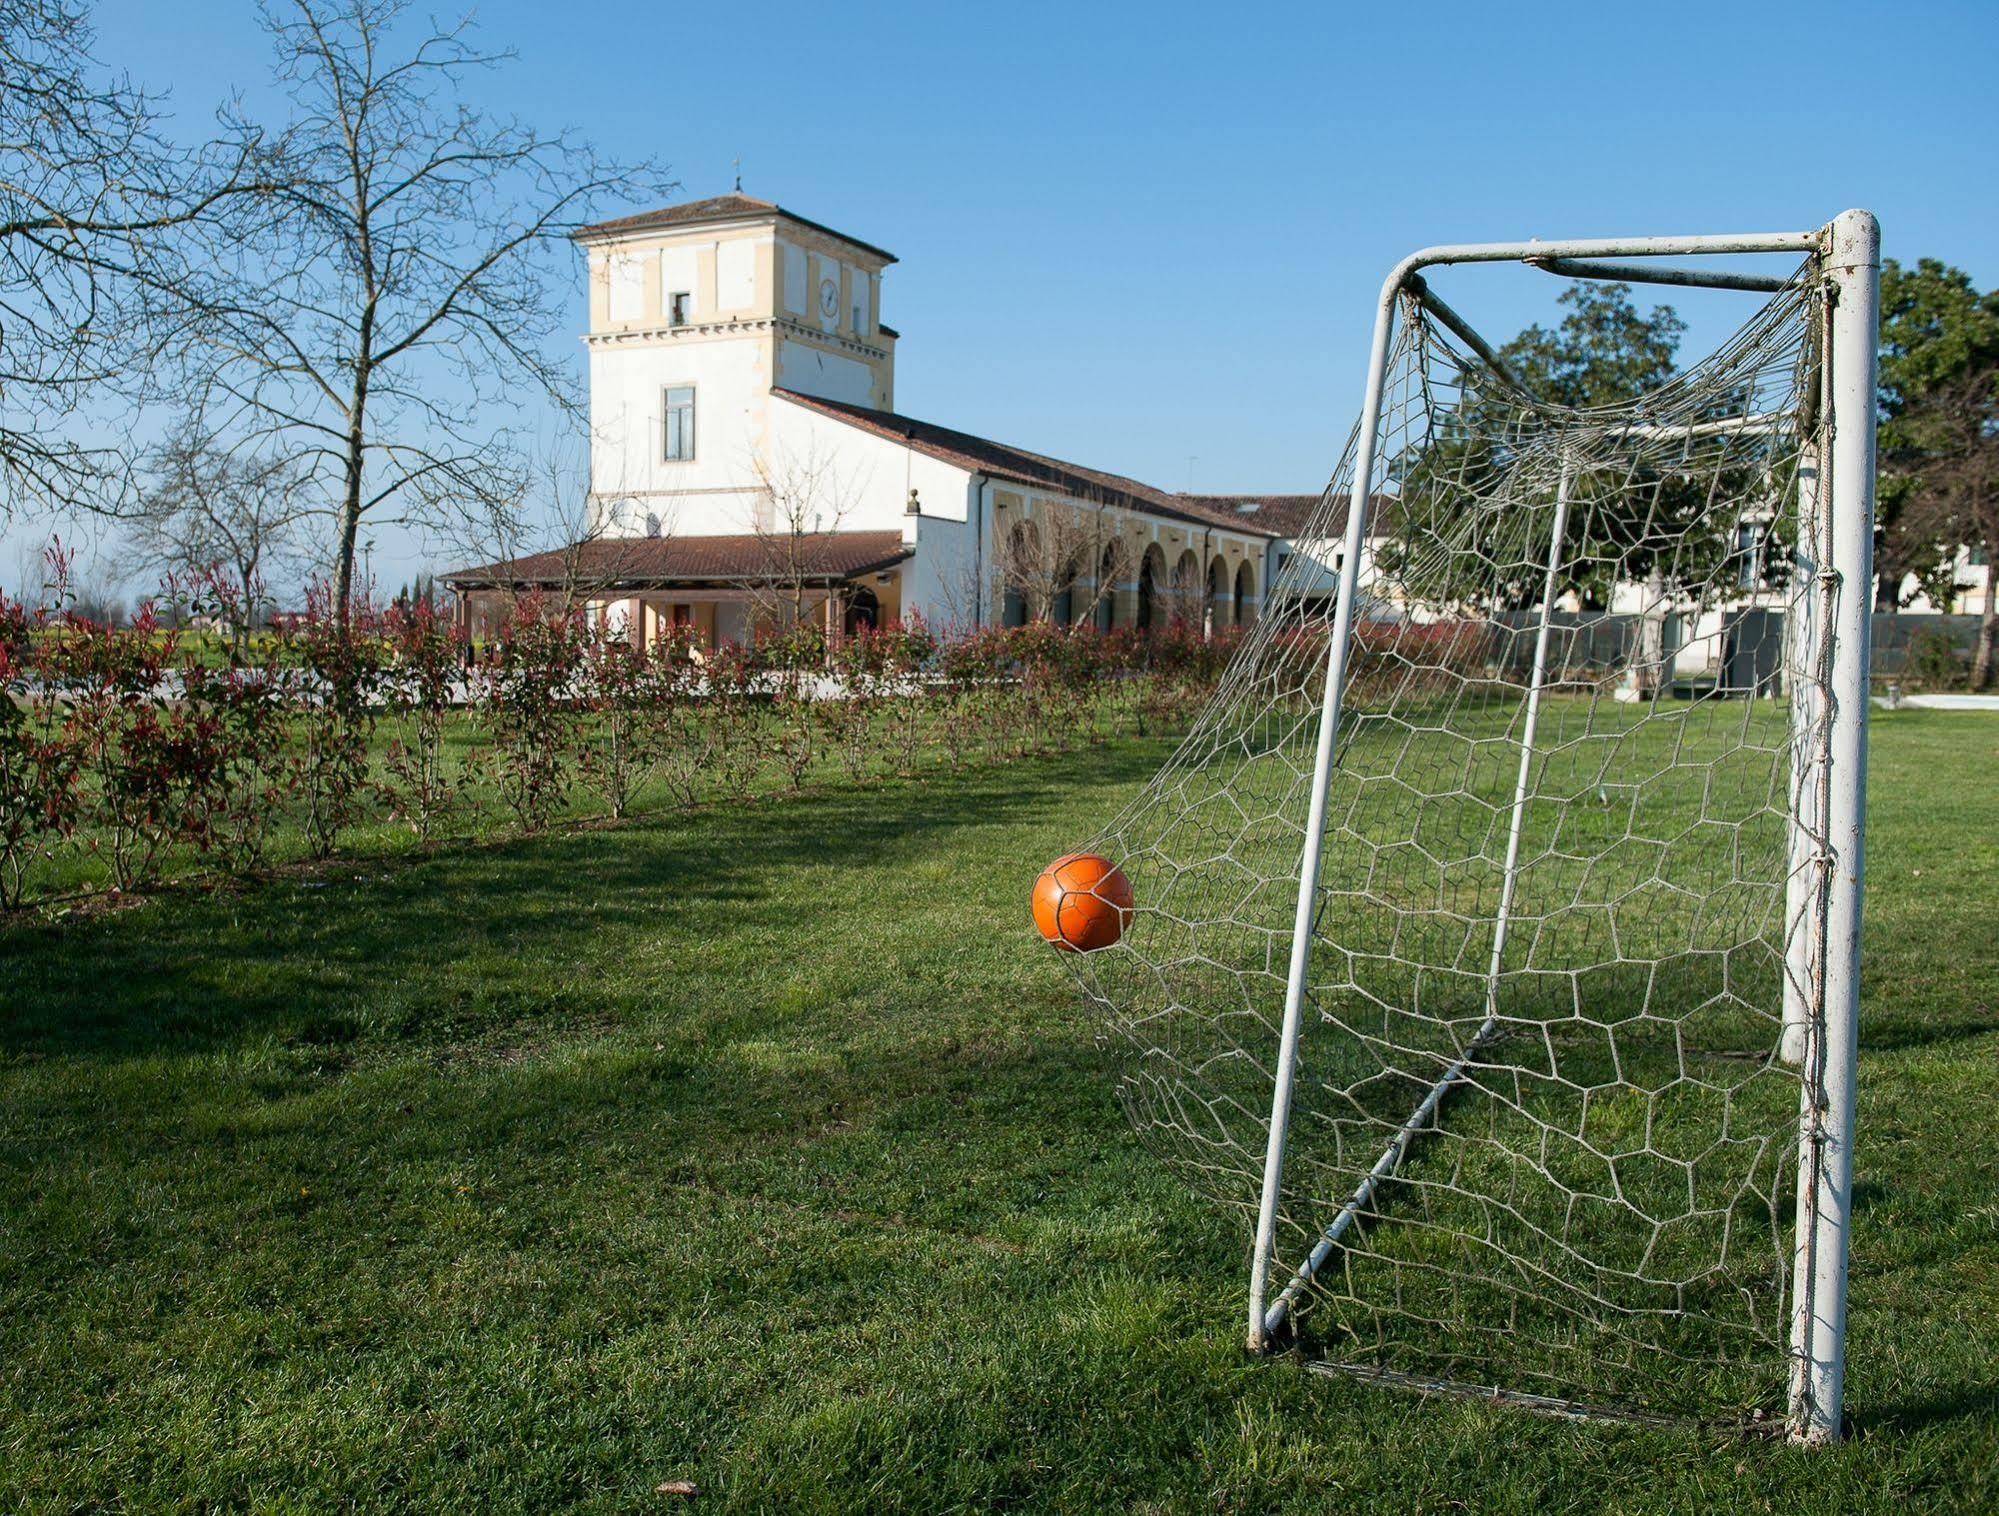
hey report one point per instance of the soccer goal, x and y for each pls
(1496, 930)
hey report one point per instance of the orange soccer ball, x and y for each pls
(1081, 902)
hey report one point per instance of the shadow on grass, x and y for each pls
(1974, 1404)
(194, 969)
(1898, 1034)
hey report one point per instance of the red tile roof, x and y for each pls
(717, 208)
(639, 561)
(1276, 514)
(1279, 515)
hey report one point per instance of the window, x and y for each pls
(652, 523)
(677, 305)
(680, 423)
(857, 291)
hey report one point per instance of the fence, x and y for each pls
(1744, 646)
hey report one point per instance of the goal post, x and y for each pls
(1498, 950)
(1852, 270)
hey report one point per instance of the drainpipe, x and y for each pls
(1201, 582)
(978, 550)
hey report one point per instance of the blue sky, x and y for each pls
(1136, 235)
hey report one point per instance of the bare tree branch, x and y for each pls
(801, 499)
(1059, 552)
(216, 508)
(94, 202)
(406, 288)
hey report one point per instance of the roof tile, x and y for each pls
(732, 559)
(715, 208)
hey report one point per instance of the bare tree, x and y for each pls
(557, 514)
(407, 286)
(93, 199)
(1950, 495)
(801, 500)
(209, 508)
(1185, 594)
(31, 570)
(597, 556)
(1055, 553)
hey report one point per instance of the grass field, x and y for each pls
(1614, 1175)
(765, 1148)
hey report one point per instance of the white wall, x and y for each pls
(938, 583)
(1312, 569)
(680, 272)
(793, 259)
(804, 368)
(628, 284)
(736, 274)
(710, 494)
(870, 475)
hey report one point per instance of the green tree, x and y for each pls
(1939, 408)
(1624, 524)
(1603, 352)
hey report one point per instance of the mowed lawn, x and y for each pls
(767, 1148)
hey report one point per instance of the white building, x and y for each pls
(747, 454)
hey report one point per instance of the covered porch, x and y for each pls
(715, 589)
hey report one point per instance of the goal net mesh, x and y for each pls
(1598, 1207)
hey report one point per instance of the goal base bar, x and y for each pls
(1541, 1405)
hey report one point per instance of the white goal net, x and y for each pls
(1536, 1107)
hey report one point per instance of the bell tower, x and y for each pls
(699, 311)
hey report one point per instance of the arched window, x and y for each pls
(1186, 600)
(1151, 569)
(1245, 592)
(1013, 605)
(1218, 607)
(1107, 590)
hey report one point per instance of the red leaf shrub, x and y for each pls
(39, 794)
(333, 669)
(423, 675)
(528, 681)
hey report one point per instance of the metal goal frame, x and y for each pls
(1835, 561)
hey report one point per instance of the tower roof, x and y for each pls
(732, 207)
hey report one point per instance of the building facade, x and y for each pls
(749, 465)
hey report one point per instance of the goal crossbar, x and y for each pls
(1640, 273)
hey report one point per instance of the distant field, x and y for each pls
(765, 1147)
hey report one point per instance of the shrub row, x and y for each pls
(123, 754)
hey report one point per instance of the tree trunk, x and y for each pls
(1988, 626)
(1887, 588)
(350, 498)
(343, 563)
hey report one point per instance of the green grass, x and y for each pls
(1619, 1154)
(766, 1148)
